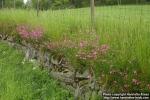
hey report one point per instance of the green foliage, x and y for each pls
(124, 28)
(10, 3)
(60, 4)
(115, 2)
(8, 27)
(25, 81)
(43, 4)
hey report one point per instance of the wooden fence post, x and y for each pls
(92, 13)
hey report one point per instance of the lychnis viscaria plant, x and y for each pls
(30, 34)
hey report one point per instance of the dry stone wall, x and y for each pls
(82, 86)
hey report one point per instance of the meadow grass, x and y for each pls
(126, 29)
(25, 81)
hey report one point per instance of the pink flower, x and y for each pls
(82, 44)
(135, 82)
(25, 33)
(94, 53)
(104, 48)
(36, 33)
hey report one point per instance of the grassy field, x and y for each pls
(126, 29)
(25, 81)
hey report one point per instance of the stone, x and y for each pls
(77, 94)
(46, 60)
(27, 54)
(4, 37)
(1, 36)
(35, 54)
(83, 83)
(87, 95)
(83, 86)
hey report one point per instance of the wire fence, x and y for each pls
(118, 13)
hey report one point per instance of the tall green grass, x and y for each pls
(125, 28)
(25, 81)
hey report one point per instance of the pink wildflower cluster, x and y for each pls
(135, 82)
(36, 33)
(62, 43)
(27, 33)
(94, 53)
(23, 31)
(103, 49)
(83, 44)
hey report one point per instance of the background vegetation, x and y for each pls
(124, 29)
(59, 4)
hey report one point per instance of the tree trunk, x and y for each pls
(137, 1)
(38, 7)
(2, 4)
(92, 12)
(119, 2)
(14, 3)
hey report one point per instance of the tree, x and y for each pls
(12, 3)
(59, 4)
(28, 4)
